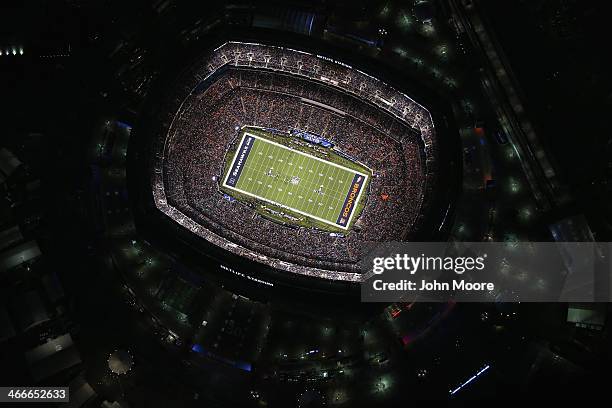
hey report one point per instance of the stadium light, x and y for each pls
(14, 51)
(21, 51)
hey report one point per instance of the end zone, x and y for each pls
(241, 156)
(352, 197)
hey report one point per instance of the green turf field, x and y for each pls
(296, 179)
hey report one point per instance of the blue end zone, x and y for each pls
(241, 157)
(349, 202)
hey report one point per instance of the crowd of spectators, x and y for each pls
(270, 87)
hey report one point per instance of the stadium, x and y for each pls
(292, 159)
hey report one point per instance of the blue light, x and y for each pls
(310, 26)
(469, 381)
(243, 366)
(124, 125)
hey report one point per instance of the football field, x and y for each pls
(292, 179)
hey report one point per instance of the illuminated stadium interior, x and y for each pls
(340, 119)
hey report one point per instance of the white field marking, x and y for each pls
(285, 206)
